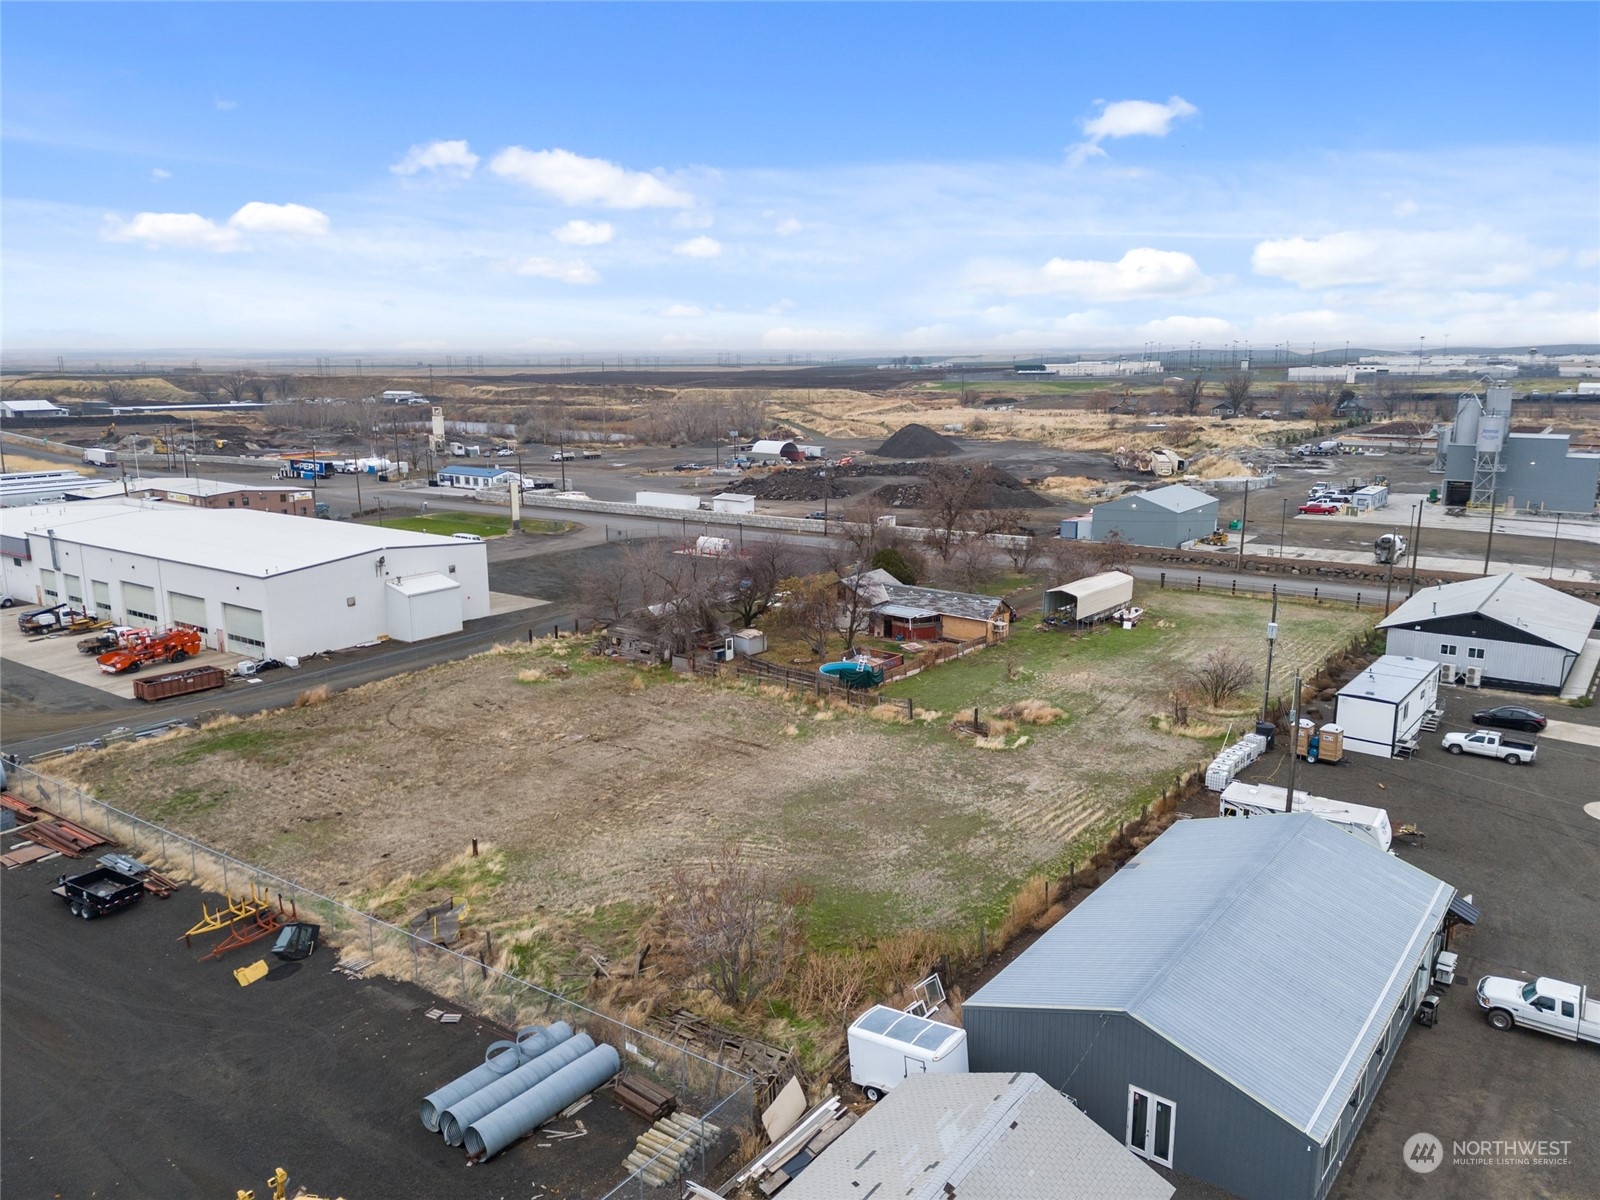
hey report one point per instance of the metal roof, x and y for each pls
(477, 472)
(422, 585)
(234, 540)
(1273, 952)
(905, 612)
(1175, 497)
(884, 592)
(1390, 678)
(1543, 612)
(976, 1137)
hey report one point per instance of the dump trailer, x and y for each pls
(179, 683)
(97, 892)
(106, 640)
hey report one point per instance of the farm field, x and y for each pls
(587, 782)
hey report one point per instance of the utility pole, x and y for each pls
(561, 453)
(1554, 542)
(1489, 543)
(1244, 520)
(358, 487)
(1388, 584)
(1416, 546)
(1272, 638)
(1294, 742)
(1283, 525)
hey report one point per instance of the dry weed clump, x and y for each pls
(791, 731)
(220, 721)
(1030, 712)
(530, 675)
(313, 696)
(635, 684)
(890, 714)
(823, 714)
(1001, 725)
(928, 715)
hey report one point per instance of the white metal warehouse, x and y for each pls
(253, 583)
(1503, 630)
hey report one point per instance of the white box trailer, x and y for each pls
(1371, 825)
(1091, 598)
(1382, 709)
(732, 502)
(887, 1046)
(100, 458)
(667, 500)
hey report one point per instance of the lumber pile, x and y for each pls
(50, 831)
(670, 1145)
(767, 1065)
(644, 1097)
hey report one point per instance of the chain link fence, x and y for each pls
(724, 1095)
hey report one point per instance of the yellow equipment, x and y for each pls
(248, 975)
(227, 914)
(278, 1181)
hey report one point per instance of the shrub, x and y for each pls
(891, 560)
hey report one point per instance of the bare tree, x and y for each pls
(117, 391)
(1237, 386)
(1192, 392)
(1113, 553)
(754, 580)
(682, 594)
(283, 386)
(732, 925)
(971, 562)
(951, 495)
(205, 387)
(1070, 559)
(1221, 675)
(256, 387)
(233, 386)
(1389, 393)
(609, 590)
(811, 609)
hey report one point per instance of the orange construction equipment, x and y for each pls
(174, 645)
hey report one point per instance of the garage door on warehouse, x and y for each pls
(188, 610)
(102, 597)
(74, 586)
(247, 633)
(139, 603)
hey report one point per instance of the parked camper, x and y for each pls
(100, 458)
(887, 1045)
(1371, 825)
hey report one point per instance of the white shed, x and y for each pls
(1382, 708)
(749, 641)
(1090, 598)
(422, 606)
(732, 502)
(667, 500)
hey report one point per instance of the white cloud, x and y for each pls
(788, 226)
(1138, 274)
(683, 310)
(781, 307)
(1128, 118)
(573, 271)
(1187, 329)
(573, 179)
(454, 159)
(1446, 258)
(172, 229)
(1406, 208)
(700, 247)
(193, 230)
(160, 173)
(294, 220)
(225, 105)
(584, 233)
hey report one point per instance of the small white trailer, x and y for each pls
(100, 458)
(887, 1046)
(733, 502)
(1371, 825)
(1382, 709)
(667, 500)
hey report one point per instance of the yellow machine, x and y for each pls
(278, 1181)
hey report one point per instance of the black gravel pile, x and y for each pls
(917, 441)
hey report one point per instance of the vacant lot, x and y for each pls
(587, 782)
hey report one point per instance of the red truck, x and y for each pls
(179, 683)
(174, 646)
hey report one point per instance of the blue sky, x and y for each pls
(827, 178)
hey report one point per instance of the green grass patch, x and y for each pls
(248, 742)
(446, 523)
(842, 917)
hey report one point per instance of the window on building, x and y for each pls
(1474, 651)
(1448, 649)
(245, 500)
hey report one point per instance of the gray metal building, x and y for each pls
(1517, 633)
(1166, 516)
(1228, 1004)
(1481, 459)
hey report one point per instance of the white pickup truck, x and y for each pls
(1490, 744)
(1548, 1005)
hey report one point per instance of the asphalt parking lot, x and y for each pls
(133, 1069)
(1519, 841)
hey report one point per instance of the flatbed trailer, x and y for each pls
(98, 892)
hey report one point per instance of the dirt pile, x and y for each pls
(811, 484)
(1004, 490)
(917, 441)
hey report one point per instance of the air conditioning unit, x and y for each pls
(1474, 676)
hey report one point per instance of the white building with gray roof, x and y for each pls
(1228, 1004)
(976, 1137)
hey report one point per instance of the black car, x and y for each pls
(1511, 717)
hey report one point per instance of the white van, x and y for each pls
(466, 537)
(1371, 825)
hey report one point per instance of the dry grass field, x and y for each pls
(587, 782)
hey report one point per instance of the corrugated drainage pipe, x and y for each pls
(454, 1120)
(498, 1059)
(492, 1133)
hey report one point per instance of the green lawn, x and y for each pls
(482, 524)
